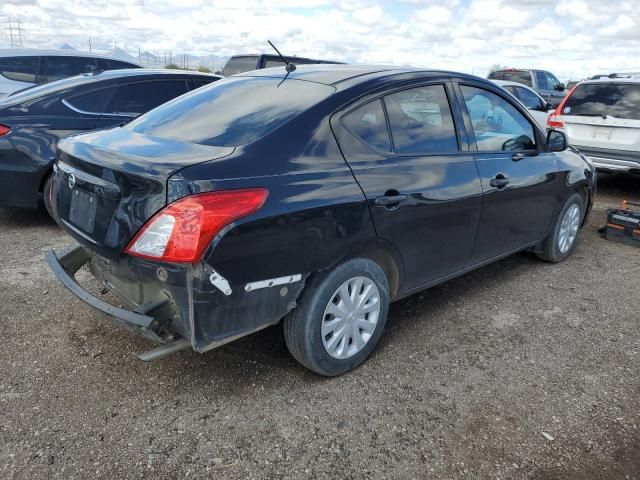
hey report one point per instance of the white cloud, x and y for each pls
(573, 38)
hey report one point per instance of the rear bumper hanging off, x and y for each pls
(65, 265)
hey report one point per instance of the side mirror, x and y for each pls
(556, 141)
(548, 107)
(560, 86)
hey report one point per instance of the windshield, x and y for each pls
(614, 99)
(237, 65)
(231, 112)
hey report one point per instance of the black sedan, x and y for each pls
(33, 121)
(317, 197)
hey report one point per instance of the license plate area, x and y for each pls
(82, 211)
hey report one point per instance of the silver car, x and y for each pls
(536, 105)
(24, 68)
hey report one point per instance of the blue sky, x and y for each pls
(572, 38)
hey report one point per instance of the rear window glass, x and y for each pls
(421, 121)
(520, 77)
(62, 67)
(231, 112)
(92, 102)
(237, 65)
(140, 97)
(20, 69)
(47, 88)
(616, 100)
(369, 124)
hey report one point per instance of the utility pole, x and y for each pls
(14, 27)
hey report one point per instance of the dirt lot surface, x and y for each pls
(520, 370)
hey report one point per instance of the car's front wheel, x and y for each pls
(339, 318)
(562, 238)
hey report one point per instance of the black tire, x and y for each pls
(550, 250)
(302, 327)
(45, 194)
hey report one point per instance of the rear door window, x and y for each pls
(62, 67)
(92, 102)
(612, 99)
(369, 124)
(497, 125)
(528, 98)
(518, 76)
(136, 98)
(20, 69)
(542, 81)
(421, 121)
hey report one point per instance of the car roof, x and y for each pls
(334, 74)
(33, 52)
(612, 80)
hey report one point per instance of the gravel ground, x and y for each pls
(519, 370)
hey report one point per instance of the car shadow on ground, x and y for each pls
(619, 184)
(23, 217)
(264, 354)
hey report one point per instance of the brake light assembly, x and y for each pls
(554, 120)
(4, 129)
(182, 231)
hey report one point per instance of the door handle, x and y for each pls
(517, 156)
(499, 182)
(390, 200)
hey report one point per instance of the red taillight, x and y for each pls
(4, 130)
(182, 231)
(555, 118)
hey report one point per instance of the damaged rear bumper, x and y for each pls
(178, 305)
(144, 320)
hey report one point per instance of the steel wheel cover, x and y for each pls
(350, 317)
(569, 228)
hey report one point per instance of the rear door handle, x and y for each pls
(390, 200)
(499, 182)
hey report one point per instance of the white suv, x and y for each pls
(24, 68)
(601, 118)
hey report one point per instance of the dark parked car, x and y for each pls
(22, 68)
(245, 63)
(318, 198)
(32, 122)
(545, 83)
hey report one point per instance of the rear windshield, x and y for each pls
(616, 100)
(520, 77)
(46, 88)
(237, 65)
(231, 112)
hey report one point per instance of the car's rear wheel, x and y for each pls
(339, 318)
(562, 239)
(46, 193)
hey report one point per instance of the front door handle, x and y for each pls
(390, 201)
(499, 182)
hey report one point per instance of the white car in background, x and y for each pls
(601, 118)
(22, 68)
(536, 105)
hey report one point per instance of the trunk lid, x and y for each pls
(109, 183)
(610, 132)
